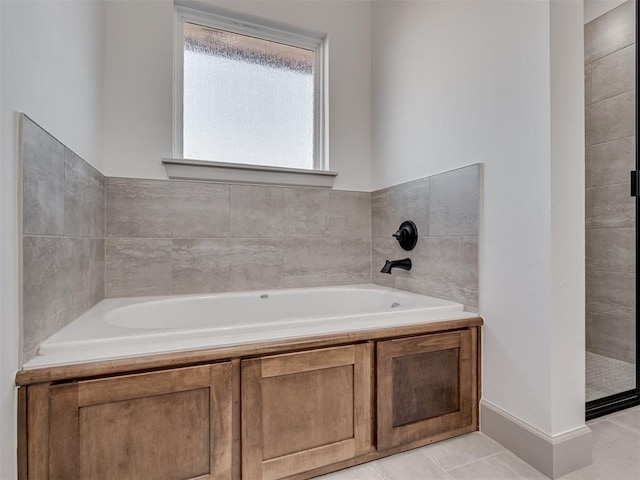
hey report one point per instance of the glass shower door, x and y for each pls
(610, 229)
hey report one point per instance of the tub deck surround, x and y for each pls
(271, 394)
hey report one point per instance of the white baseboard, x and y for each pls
(552, 455)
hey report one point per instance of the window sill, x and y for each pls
(202, 170)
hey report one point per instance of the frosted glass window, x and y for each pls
(247, 100)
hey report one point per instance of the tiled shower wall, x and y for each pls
(174, 237)
(445, 260)
(63, 235)
(610, 210)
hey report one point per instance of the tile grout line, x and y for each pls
(608, 98)
(609, 54)
(625, 427)
(476, 460)
(611, 141)
(617, 184)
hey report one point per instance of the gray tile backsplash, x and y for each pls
(327, 261)
(83, 198)
(60, 282)
(63, 235)
(225, 265)
(275, 212)
(391, 206)
(87, 237)
(137, 267)
(43, 170)
(234, 237)
(257, 211)
(349, 214)
(166, 209)
(275, 237)
(445, 209)
(610, 155)
(453, 203)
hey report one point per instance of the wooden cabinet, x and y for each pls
(301, 411)
(426, 387)
(261, 413)
(173, 424)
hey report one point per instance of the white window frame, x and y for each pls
(241, 25)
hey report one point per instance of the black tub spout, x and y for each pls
(405, 264)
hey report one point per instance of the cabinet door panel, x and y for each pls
(305, 410)
(292, 416)
(426, 387)
(173, 425)
(130, 431)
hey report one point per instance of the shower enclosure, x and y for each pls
(611, 161)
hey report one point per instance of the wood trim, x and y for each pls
(362, 370)
(478, 375)
(475, 360)
(466, 376)
(65, 436)
(251, 419)
(307, 361)
(236, 467)
(424, 344)
(278, 468)
(95, 392)
(22, 434)
(181, 359)
(221, 428)
(38, 431)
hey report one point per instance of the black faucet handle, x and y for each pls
(407, 235)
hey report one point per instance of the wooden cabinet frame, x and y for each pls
(464, 343)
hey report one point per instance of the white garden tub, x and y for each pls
(124, 327)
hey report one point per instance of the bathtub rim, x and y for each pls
(160, 361)
(115, 355)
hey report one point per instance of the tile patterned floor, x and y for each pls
(606, 376)
(616, 456)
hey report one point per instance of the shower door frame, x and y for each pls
(620, 401)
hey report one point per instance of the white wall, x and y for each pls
(456, 83)
(567, 216)
(139, 72)
(51, 68)
(596, 8)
